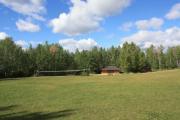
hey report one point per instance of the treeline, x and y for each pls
(16, 62)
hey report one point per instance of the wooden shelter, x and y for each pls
(110, 70)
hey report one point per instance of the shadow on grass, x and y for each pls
(9, 79)
(6, 108)
(34, 115)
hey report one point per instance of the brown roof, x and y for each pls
(111, 68)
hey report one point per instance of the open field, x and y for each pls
(149, 96)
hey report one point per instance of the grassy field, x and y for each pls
(149, 96)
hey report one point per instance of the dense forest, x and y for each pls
(16, 62)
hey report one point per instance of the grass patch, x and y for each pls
(149, 96)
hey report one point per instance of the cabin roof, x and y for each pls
(111, 68)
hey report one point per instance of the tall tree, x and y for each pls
(152, 58)
(131, 58)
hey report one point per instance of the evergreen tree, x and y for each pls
(152, 58)
(131, 58)
(16, 62)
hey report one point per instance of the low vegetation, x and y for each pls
(142, 96)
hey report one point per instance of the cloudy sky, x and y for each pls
(83, 24)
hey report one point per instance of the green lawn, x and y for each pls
(149, 96)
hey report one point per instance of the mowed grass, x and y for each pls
(148, 96)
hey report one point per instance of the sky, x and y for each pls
(83, 24)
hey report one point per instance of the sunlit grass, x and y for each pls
(148, 96)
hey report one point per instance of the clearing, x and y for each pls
(148, 96)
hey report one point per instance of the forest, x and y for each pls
(17, 62)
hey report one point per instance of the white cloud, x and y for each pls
(174, 13)
(21, 43)
(3, 35)
(25, 44)
(167, 38)
(85, 15)
(83, 44)
(126, 26)
(27, 26)
(153, 23)
(31, 8)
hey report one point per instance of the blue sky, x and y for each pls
(83, 24)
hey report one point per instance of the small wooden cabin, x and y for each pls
(110, 70)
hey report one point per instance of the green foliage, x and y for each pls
(16, 62)
(173, 57)
(82, 59)
(13, 60)
(156, 57)
(132, 59)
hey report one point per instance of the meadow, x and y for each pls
(142, 96)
